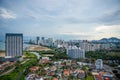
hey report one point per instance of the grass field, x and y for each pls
(89, 78)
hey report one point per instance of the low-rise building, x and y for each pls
(34, 68)
(99, 64)
(43, 61)
(66, 72)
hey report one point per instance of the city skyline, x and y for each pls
(80, 19)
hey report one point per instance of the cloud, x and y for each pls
(98, 32)
(109, 28)
(74, 11)
(104, 31)
(79, 18)
(7, 14)
(82, 34)
(110, 18)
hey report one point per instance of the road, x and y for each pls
(8, 71)
(37, 54)
(25, 61)
(109, 69)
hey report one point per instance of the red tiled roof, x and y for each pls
(106, 78)
(54, 79)
(34, 68)
(66, 72)
(98, 77)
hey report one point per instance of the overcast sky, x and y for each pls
(65, 19)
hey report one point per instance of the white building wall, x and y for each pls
(75, 52)
(99, 64)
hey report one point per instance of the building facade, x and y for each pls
(14, 44)
(87, 46)
(99, 64)
(37, 40)
(75, 52)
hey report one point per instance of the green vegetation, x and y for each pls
(84, 67)
(89, 78)
(47, 52)
(18, 72)
(29, 55)
(105, 55)
(56, 55)
(6, 69)
(114, 54)
(96, 55)
(60, 56)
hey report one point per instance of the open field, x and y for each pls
(29, 48)
(2, 53)
(36, 48)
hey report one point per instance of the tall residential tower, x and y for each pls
(75, 52)
(14, 44)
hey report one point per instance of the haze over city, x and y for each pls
(66, 19)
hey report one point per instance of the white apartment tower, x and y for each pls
(75, 52)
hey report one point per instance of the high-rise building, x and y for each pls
(75, 52)
(42, 38)
(42, 41)
(37, 39)
(87, 46)
(14, 44)
(50, 42)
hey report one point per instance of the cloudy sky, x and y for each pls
(64, 19)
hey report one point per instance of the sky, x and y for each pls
(62, 19)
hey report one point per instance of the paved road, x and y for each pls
(25, 61)
(7, 71)
(108, 68)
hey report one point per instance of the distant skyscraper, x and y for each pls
(50, 42)
(42, 38)
(37, 39)
(42, 41)
(14, 44)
